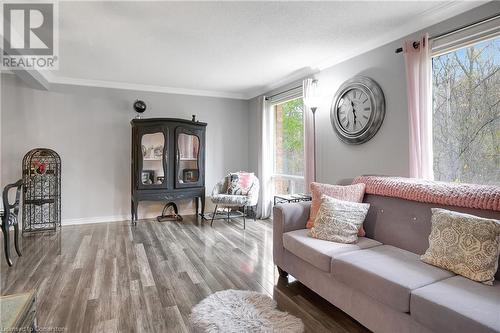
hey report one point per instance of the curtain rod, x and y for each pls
(282, 92)
(417, 44)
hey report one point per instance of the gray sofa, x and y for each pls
(380, 281)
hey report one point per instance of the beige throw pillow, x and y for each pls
(464, 244)
(338, 220)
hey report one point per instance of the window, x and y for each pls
(288, 175)
(466, 114)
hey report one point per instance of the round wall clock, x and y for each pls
(358, 110)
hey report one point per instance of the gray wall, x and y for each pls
(90, 129)
(388, 152)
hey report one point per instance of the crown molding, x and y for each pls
(296, 76)
(53, 79)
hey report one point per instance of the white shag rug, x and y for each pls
(242, 311)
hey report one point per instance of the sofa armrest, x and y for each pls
(287, 217)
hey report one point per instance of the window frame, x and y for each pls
(460, 39)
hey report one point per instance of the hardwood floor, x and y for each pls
(113, 277)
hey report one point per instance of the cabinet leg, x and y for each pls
(197, 204)
(202, 199)
(133, 212)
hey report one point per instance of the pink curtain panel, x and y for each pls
(418, 88)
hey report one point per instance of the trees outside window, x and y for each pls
(288, 175)
(466, 114)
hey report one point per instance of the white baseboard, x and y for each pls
(105, 219)
(96, 219)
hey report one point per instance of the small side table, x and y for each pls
(18, 312)
(287, 198)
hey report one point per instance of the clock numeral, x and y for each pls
(364, 101)
(365, 116)
(367, 109)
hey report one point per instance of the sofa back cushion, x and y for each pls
(407, 224)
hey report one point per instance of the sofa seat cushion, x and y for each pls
(319, 252)
(457, 304)
(386, 273)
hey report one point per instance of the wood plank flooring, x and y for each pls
(114, 277)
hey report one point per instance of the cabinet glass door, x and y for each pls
(153, 149)
(188, 153)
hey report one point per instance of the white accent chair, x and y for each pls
(221, 198)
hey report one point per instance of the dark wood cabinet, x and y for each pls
(168, 161)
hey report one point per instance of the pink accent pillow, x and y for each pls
(353, 193)
(245, 179)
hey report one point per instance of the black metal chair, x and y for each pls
(9, 218)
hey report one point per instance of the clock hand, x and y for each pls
(354, 113)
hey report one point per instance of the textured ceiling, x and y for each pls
(234, 49)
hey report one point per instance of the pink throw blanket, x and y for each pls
(442, 193)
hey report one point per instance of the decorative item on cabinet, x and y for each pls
(139, 107)
(168, 161)
(190, 175)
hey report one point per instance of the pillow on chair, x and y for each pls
(353, 193)
(239, 183)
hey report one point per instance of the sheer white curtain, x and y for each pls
(265, 166)
(309, 91)
(418, 86)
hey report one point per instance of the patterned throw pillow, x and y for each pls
(354, 193)
(239, 183)
(338, 220)
(464, 244)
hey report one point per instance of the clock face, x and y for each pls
(358, 110)
(354, 110)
